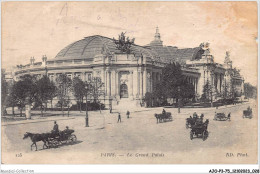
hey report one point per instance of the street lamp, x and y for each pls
(86, 112)
(179, 90)
(211, 98)
(241, 95)
(86, 93)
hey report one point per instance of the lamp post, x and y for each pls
(179, 90)
(86, 118)
(241, 95)
(86, 93)
(211, 98)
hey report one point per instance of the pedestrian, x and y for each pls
(119, 118)
(128, 114)
(229, 116)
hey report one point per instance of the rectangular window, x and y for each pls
(69, 76)
(89, 77)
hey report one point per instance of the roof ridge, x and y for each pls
(87, 44)
(103, 43)
(71, 45)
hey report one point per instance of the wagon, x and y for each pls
(200, 130)
(222, 117)
(190, 122)
(163, 117)
(63, 137)
(247, 113)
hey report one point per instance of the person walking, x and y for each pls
(119, 118)
(128, 114)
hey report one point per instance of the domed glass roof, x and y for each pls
(88, 47)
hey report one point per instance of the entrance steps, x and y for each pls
(126, 104)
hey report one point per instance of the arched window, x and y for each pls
(123, 91)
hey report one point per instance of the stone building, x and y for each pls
(128, 75)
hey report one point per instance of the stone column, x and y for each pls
(106, 84)
(54, 77)
(109, 83)
(138, 84)
(28, 111)
(220, 82)
(135, 83)
(132, 84)
(196, 85)
(144, 82)
(151, 81)
(115, 83)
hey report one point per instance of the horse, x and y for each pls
(206, 123)
(36, 138)
(158, 117)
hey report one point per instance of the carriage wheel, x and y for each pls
(73, 138)
(191, 135)
(55, 144)
(205, 135)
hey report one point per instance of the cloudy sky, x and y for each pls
(39, 28)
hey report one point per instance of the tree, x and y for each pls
(148, 99)
(250, 91)
(205, 97)
(64, 85)
(24, 91)
(44, 92)
(227, 90)
(172, 79)
(96, 90)
(187, 90)
(4, 92)
(78, 87)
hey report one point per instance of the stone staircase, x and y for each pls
(126, 104)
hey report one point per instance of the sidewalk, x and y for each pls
(75, 114)
(37, 120)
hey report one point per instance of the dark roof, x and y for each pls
(169, 53)
(90, 46)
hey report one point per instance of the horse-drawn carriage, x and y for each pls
(63, 137)
(191, 121)
(52, 139)
(222, 117)
(247, 113)
(200, 129)
(167, 116)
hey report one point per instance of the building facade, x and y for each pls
(127, 76)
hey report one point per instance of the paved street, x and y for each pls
(134, 138)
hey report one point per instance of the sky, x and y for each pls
(44, 28)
